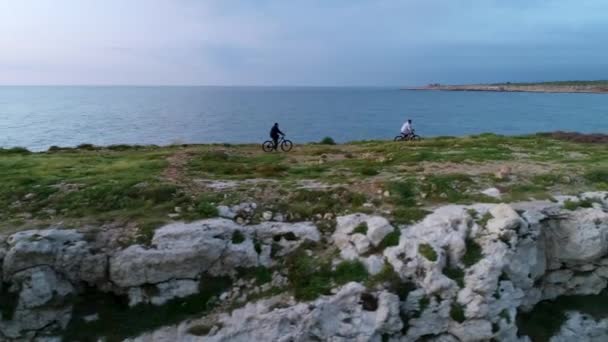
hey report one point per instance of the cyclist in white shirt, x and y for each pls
(407, 128)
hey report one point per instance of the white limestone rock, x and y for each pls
(580, 238)
(41, 302)
(351, 244)
(377, 229)
(63, 250)
(184, 251)
(581, 327)
(492, 192)
(341, 317)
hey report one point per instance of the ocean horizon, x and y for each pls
(37, 117)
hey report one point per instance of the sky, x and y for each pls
(300, 42)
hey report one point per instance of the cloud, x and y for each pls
(310, 42)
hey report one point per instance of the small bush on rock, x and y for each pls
(473, 254)
(427, 251)
(350, 271)
(391, 239)
(308, 277)
(455, 274)
(237, 237)
(360, 229)
(457, 312)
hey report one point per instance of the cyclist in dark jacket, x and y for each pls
(274, 134)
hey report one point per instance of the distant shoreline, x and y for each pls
(592, 87)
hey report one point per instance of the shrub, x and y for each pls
(573, 205)
(327, 141)
(473, 254)
(360, 229)
(455, 274)
(369, 171)
(237, 237)
(403, 193)
(427, 251)
(89, 147)
(597, 176)
(348, 271)
(483, 221)
(206, 210)
(409, 215)
(457, 312)
(308, 277)
(15, 150)
(391, 239)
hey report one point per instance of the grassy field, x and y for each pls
(143, 187)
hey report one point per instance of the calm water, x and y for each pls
(38, 117)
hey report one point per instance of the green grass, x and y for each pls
(308, 277)
(261, 274)
(573, 205)
(597, 176)
(237, 237)
(457, 312)
(391, 239)
(483, 221)
(473, 253)
(125, 184)
(85, 184)
(233, 165)
(427, 251)
(361, 228)
(391, 281)
(408, 215)
(304, 204)
(455, 274)
(404, 193)
(348, 271)
(450, 188)
(311, 276)
(369, 171)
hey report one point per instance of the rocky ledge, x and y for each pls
(463, 273)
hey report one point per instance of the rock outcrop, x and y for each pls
(45, 268)
(461, 274)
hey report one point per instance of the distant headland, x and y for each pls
(600, 87)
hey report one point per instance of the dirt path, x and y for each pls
(174, 173)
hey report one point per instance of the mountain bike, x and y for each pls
(408, 137)
(286, 145)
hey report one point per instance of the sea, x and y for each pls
(37, 117)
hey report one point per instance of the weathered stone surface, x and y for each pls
(488, 271)
(42, 295)
(62, 250)
(580, 327)
(581, 237)
(185, 251)
(341, 317)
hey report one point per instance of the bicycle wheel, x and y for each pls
(415, 138)
(268, 146)
(398, 138)
(286, 145)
